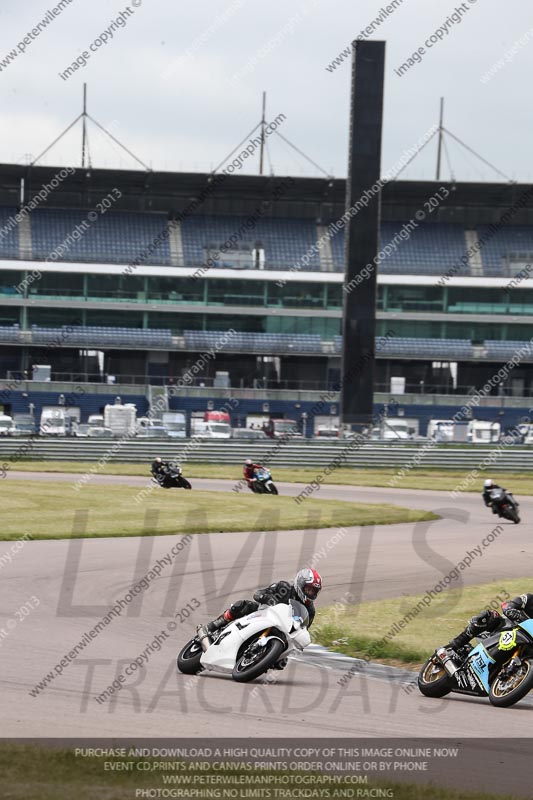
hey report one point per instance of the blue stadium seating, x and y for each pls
(254, 342)
(431, 249)
(102, 336)
(410, 347)
(114, 237)
(285, 240)
(517, 239)
(504, 351)
(9, 236)
(10, 333)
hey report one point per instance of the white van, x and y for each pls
(212, 430)
(6, 425)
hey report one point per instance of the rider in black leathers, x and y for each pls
(516, 610)
(488, 486)
(305, 588)
(159, 469)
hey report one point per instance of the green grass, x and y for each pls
(445, 480)
(358, 630)
(33, 772)
(46, 510)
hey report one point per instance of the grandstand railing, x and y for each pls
(209, 383)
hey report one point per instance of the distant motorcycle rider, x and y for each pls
(159, 469)
(488, 487)
(516, 610)
(249, 470)
(305, 587)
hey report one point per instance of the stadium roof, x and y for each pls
(317, 198)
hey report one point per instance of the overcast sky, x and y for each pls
(180, 83)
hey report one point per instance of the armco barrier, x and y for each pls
(277, 453)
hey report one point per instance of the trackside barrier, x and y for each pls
(276, 453)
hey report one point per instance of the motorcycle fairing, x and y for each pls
(222, 654)
(527, 625)
(479, 662)
(507, 640)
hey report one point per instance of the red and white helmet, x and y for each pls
(307, 584)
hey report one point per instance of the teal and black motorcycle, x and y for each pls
(500, 667)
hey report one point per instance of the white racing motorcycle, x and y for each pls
(249, 646)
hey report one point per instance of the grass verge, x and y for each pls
(360, 630)
(445, 480)
(47, 510)
(33, 772)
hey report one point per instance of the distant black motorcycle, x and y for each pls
(505, 504)
(171, 477)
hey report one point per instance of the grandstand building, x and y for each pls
(121, 281)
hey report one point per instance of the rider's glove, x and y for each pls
(268, 600)
(515, 614)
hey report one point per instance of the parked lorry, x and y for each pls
(24, 425)
(59, 420)
(396, 429)
(175, 423)
(483, 431)
(121, 419)
(210, 430)
(274, 428)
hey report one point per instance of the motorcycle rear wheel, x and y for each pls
(249, 672)
(433, 680)
(502, 695)
(189, 658)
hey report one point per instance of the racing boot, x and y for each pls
(203, 632)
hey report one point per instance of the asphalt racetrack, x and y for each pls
(76, 582)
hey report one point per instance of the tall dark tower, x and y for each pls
(362, 231)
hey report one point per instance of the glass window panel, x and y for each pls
(58, 285)
(9, 280)
(166, 289)
(115, 287)
(296, 295)
(235, 292)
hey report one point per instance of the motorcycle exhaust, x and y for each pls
(447, 661)
(203, 637)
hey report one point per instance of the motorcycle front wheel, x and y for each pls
(513, 514)
(505, 692)
(255, 660)
(273, 488)
(189, 658)
(185, 483)
(433, 680)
